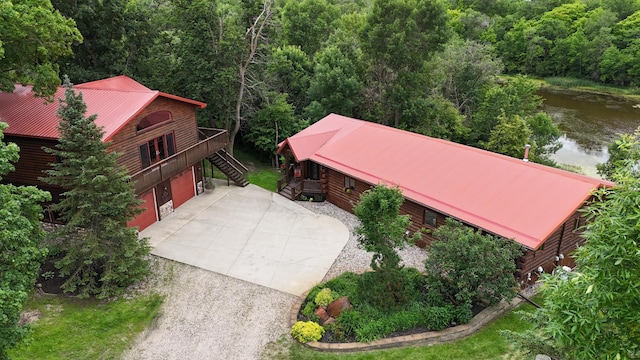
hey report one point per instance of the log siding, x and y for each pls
(184, 125)
(562, 241)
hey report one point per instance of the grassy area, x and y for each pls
(486, 344)
(71, 328)
(260, 173)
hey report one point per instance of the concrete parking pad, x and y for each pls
(251, 234)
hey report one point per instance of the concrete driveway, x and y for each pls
(251, 234)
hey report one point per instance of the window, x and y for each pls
(429, 218)
(157, 149)
(349, 183)
(153, 119)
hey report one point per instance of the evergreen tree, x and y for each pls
(101, 254)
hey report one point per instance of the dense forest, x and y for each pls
(268, 68)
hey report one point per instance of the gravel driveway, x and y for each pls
(212, 316)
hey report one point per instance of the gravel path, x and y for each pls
(212, 316)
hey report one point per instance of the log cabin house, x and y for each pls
(155, 133)
(338, 158)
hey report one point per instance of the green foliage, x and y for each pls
(592, 312)
(20, 252)
(438, 317)
(462, 314)
(102, 255)
(508, 137)
(334, 86)
(273, 123)
(462, 70)
(32, 37)
(381, 231)
(623, 150)
(109, 28)
(309, 309)
(324, 297)
(345, 284)
(309, 23)
(465, 266)
(305, 331)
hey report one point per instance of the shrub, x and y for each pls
(350, 320)
(462, 314)
(314, 292)
(309, 309)
(438, 317)
(346, 285)
(465, 265)
(388, 290)
(324, 297)
(305, 331)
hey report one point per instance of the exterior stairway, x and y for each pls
(230, 166)
(288, 192)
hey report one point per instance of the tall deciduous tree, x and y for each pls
(20, 252)
(594, 311)
(32, 37)
(220, 43)
(101, 254)
(399, 36)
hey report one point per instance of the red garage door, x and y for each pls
(149, 215)
(182, 187)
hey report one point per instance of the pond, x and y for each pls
(589, 122)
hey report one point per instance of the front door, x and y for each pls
(314, 170)
(165, 200)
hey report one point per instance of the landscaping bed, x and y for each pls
(343, 308)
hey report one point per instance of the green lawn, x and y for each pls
(486, 344)
(260, 173)
(71, 328)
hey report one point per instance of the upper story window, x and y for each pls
(157, 149)
(153, 119)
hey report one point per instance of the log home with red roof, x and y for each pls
(155, 133)
(338, 158)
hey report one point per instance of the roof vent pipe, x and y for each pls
(526, 153)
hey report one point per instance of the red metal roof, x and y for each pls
(518, 200)
(116, 101)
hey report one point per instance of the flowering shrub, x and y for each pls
(305, 331)
(324, 297)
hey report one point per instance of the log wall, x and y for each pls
(184, 125)
(562, 241)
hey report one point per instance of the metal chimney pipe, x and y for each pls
(526, 153)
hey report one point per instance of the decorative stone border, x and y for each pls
(426, 338)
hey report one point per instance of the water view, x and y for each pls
(589, 122)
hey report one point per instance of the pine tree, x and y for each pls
(102, 255)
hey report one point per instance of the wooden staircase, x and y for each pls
(289, 191)
(230, 166)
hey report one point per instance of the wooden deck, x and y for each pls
(211, 140)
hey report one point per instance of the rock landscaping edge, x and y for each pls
(426, 338)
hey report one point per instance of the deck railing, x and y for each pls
(211, 140)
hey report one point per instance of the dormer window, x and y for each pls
(154, 119)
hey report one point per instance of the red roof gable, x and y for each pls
(505, 196)
(116, 101)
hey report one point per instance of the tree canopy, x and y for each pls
(594, 311)
(20, 250)
(33, 35)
